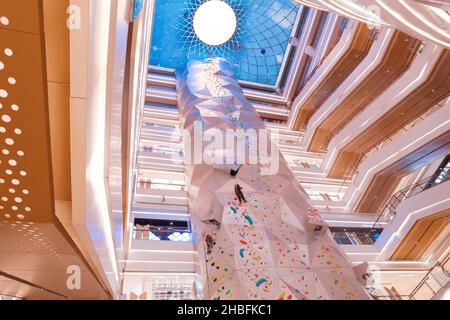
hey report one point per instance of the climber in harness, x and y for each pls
(239, 194)
(209, 241)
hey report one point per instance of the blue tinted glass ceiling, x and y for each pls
(256, 51)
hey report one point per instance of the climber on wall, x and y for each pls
(209, 241)
(239, 194)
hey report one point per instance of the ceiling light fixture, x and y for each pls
(215, 22)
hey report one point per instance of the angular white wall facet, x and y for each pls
(262, 248)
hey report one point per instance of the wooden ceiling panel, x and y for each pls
(378, 193)
(421, 236)
(434, 90)
(401, 52)
(357, 51)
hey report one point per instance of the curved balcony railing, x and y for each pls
(390, 137)
(435, 280)
(390, 209)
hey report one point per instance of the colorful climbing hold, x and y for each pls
(249, 219)
(260, 282)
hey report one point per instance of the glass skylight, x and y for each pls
(257, 49)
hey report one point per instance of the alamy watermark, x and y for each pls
(230, 147)
(73, 281)
(74, 19)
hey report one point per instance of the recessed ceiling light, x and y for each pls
(215, 22)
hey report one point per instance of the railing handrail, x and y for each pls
(422, 282)
(392, 205)
(425, 279)
(408, 192)
(424, 184)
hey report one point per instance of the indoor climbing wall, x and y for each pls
(262, 248)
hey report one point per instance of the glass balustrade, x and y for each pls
(434, 281)
(161, 230)
(355, 236)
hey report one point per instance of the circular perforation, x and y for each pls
(4, 21)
